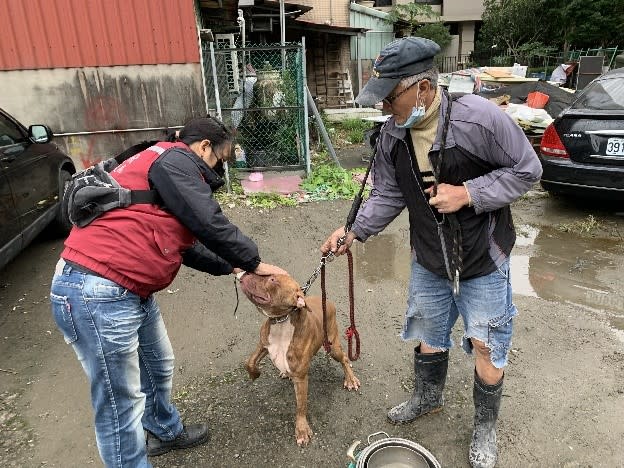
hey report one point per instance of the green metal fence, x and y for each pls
(259, 91)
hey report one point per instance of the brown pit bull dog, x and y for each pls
(292, 335)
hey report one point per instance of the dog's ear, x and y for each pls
(300, 302)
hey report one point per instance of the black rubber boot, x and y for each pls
(483, 452)
(430, 376)
(191, 436)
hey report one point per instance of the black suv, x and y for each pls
(33, 175)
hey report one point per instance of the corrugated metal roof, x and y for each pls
(38, 34)
(379, 32)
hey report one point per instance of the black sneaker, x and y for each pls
(191, 436)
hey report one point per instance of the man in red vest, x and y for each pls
(103, 289)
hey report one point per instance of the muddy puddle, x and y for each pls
(546, 263)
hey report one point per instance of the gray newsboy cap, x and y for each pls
(399, 59)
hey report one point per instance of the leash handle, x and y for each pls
(328, 257)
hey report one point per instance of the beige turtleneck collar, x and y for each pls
(423, 135)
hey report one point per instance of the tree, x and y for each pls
(522, 26)
(586, 23)
(511, 23)
(437, 32)
(414, 14)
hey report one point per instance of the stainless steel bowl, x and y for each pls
(394, 452)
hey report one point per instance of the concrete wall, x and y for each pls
(452, 50)
(72, 100)
(467, 34)
(462, 10)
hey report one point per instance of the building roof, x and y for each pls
(73, 33)
(327, 28)
(292, 10)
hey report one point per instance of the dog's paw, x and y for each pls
(351, 383)
(253, 372)
(303, 433)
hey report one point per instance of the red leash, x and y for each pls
(351, 332)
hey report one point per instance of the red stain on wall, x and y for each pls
(101, 113)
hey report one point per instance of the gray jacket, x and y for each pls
(477, 128)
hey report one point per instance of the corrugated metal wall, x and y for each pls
(380, 32)
(36, 34)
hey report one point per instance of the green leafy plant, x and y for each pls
(349, 131)
(269, 201)
(236, 197)
(355, 129)
(330, 182)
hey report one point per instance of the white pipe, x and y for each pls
(283, 33)
(218, 105)
(306, 120)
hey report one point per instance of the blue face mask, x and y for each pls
(418, 112)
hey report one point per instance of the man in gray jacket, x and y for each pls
(456, 163)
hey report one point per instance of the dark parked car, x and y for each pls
(582, 151)
(33, 174)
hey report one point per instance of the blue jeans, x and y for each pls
(122, 344)
(484, 303)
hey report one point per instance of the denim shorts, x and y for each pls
(484, 303)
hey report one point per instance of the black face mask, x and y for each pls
(219, 168)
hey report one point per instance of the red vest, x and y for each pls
(138, 247)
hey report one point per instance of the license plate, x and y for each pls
(615, 147)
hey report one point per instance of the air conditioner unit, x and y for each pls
(226, 41)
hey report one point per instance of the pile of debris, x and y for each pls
(558, 100)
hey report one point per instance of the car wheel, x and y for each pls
(61, 224)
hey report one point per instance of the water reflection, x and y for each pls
(383, 257)
(583, 271)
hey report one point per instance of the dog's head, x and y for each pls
(275, 294)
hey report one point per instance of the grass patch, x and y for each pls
(583, 226)
(348, 131)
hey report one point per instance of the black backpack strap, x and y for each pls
(140, 196)
(150, 197)
(134, 149)
(456, 96)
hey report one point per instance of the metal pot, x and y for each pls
(392, 452)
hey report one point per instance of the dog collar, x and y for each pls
(276, 320)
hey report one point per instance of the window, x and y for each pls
(606, 94)
(9, 132)
(453, 28)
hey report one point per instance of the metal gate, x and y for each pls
(259, 91)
